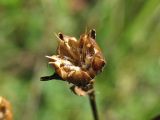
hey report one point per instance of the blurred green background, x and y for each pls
(128, 32)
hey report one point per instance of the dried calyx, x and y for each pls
(77, 61)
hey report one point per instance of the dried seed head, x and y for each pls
(78, 61)
(5, 109)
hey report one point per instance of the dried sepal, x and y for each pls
(5, 109)
(78, 61)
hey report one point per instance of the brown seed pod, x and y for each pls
(77, 61)
(5, 109)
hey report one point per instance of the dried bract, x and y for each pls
(77, 61)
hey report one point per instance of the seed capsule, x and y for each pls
(77, 61)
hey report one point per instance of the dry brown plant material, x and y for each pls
(5, 109)
(77, 61)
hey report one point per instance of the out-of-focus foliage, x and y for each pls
(128, 31)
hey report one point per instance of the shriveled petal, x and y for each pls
(79, 77)
(57, 63)
(98, 63)
(78, 91)
(68, 46)
(68, 71)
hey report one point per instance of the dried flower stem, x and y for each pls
(78, 62)
(92, 100)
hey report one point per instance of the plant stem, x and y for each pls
(93, 105)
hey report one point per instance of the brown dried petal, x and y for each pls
(98, 64)
(68, 47)
(80, 78)
(78, 91)
(68, 71)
